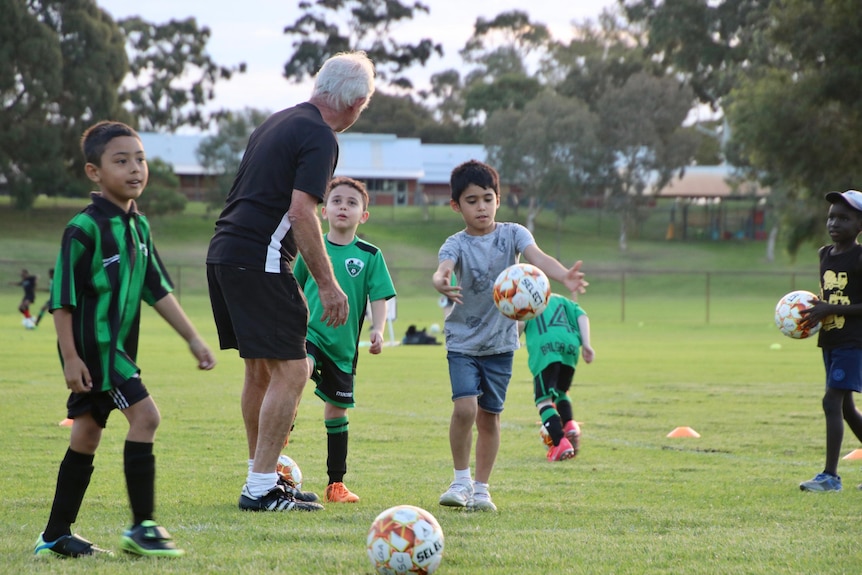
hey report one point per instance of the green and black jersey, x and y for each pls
(361, 272)
(554, 336)
(106, 266)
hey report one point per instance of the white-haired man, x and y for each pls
(269, 214)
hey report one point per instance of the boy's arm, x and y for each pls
(309, 239)
(169, 308)
(572, 278)
(442, 280)
(378, 320)
(74, 369)
(587, 351)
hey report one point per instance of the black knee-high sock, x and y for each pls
(139, 464)
(551, 421)
(72, 482)
(336, 442)
(564, 407)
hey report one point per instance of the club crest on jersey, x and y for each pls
(354, 266)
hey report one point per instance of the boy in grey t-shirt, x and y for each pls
(480, 341)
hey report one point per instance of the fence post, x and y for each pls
(708, 277)
(623, 297)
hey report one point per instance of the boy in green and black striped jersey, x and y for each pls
(107, 265)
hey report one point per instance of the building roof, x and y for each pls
(362, 156)
(709, 182)
(381, 156)
(386, 156)
(439, 159)
(179, 150)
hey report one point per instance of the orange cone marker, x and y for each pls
(683, 432)
(855, 454)
(65, 423)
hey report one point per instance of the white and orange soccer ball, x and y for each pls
(521, 291)
(288, 469)
(788, 316)
(405, 539)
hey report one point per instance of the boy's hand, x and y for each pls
(815, 314)
(376, 342)
(77, 376)
(205, 357)
(443, 283)
(575, 281)
(588, 353)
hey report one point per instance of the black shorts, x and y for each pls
(554, 381)
(100, 404)
(263, 315)
(333, 385)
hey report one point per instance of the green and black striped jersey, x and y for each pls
(107, 265)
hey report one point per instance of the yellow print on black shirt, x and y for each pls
(837, 282)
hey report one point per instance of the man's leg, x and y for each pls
(277, 409)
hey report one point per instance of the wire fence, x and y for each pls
(626, 292)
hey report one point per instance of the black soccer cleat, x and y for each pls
(149, 539)
(67, 546)
(276, 499)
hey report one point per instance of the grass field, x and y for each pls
(633, 502)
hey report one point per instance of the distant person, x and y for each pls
(28, 284)
(46, 305)
(555, 340)
(107, 265)
(480, 341)
(840, 337)
(333, 352)
(259, 309)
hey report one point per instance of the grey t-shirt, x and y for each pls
(476, 327)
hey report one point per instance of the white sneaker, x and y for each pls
(458, 495)
(482, 502)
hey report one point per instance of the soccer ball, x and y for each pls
(405, 539)
(547, 441)
(289, 471)
(787, 316)
(521, 291)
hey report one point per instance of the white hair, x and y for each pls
(345, 78)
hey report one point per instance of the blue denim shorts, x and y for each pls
(843, 368)
(483, 376)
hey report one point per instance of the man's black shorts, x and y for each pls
(263, 315)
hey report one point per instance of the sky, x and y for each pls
(250, 31)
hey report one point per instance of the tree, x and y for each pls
(61, 65)
(710, 43)
(369, 24)
(596, 59)
(798, 124)
(402, 116)
(171, 75)
(550, 149)
(499, 48)
(162, 196)
(641, 122)
(221, 153)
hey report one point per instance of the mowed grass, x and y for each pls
(684, 337)
(633, 502)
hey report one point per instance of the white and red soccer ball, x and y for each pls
(288, 469)
(521, 292)
(405, 539)
(788, 316)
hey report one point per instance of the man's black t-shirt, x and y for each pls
(291, 150)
